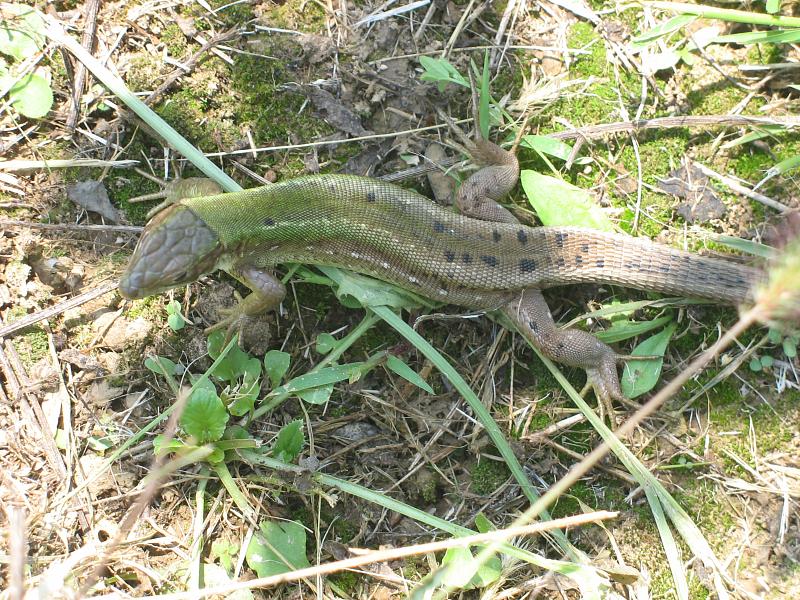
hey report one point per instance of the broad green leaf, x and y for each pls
(289, 442)
(773, 36)
(21, 31)
(623, 330)
(660, 30)
(640, 376)
(355, 291)
(245, 395)
(160, 365)
(464, 572)
(558, 203)
(546, 145)
(162, 445)
(204, 417)
(758, 133)
(32, 96)
(789, 347)
(773, 6)
(441, 72)
(407, 373)
(325, 343)
(235, 364)
(276, 544)
(317, 395)
(175, 319)
(326, 376)
(276, 363)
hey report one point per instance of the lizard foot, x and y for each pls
(233, 322)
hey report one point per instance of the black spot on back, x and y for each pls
(496, 236)
(489, 260)
(560, 261)
(370, 196)
(438, 227)
(269, 221)
(579, 260)
(522, 237)
(450, 256)
(600, 263)
(466, 257)
(533, 325)
(584, 247)
(561, 238)
(527, 265)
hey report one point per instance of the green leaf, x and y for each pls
(773, 6)
(21, 31)
(317, 395)
(441, 72)
(789, 347)
(326, 376)
(32, 96)
(660, 30)
(485, 98)
(746, 246)
(755, 364)
(277, 543)
(354, 291)
(225, 552)
(175, 319)
(162, 445)
(482, 524)
(463, 570)
(407, 373)
(547, 145)
(767, 361)
(276, 363)
(773, 36)
(289, 442)
(640, 376)
(558, 203)
(245, 395)
(235, 364)
(204, 417)
(623, 330)
(160, 365)
(325, 343)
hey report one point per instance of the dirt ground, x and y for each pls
(271, 91)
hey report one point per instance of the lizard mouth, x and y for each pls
(176, 248)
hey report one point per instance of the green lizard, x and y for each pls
(482, 258)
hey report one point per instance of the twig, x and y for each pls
(7, 330)
(135, 229)
(740, 189)
(598, 131)
(87, 41)
(386, 555)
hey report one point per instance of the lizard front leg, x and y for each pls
(267, 293)
(477, 197)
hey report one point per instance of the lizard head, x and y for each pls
(176, 248)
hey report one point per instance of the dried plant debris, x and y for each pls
(701, 203)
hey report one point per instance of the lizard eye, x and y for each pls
(176, 248)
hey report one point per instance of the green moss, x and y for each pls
(572, 502)
(175, 41)
(347, 581)
(31, 344)
(487, 476)
(717, 99)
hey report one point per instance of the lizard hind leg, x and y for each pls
(571, 347)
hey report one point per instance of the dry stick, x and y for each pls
(87, 41)
(63, 306)
(135, 229)
(740, 189)
(597, 131)
(386, 555)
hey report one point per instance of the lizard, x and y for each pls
(480, 258)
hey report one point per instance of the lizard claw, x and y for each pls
(232, 323)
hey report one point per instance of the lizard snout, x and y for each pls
(176, 248)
